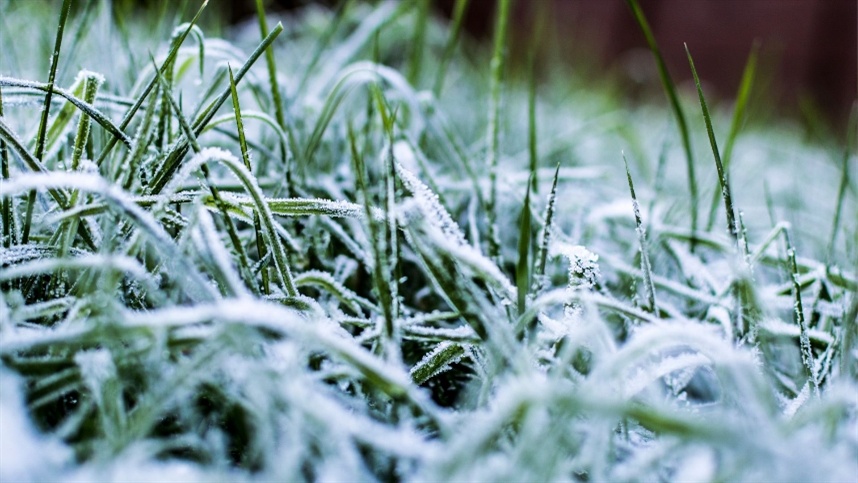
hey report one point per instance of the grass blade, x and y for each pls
(415, 63)
(798, 314)
(844, 180)
(732, 228)
(646, 268)
(742, 97)
(9, 232)
(458, 20)
(46, 109)
(272, 69)
(676, 108)
(261, 249)
(493, 143)
(545, 238)
(522, 268)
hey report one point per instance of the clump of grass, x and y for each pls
(307, 282)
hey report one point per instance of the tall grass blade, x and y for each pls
(844, 180)
(421, 20)
(452, 39)
(9, 232)
(532, 150)
(798, 316)
(273, 85)
(676, 108)
(46, 110)
(261, 249)
(646, 268)
(744, 94)
(732, 227)
(493, 142)
(545, 237)
(523, 267)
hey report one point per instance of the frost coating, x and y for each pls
(583, 265)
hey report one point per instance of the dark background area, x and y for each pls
(808, 48)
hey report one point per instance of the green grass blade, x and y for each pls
(732, 228)
(522, 268)
(532, 150)
(798, 316)
(418, 41)
(546, 235)
(452, 39)
(844, 180)
(46, 109)
(261, 249)
(493, 142)
(92, 83)
(742, 98)
(272, 69)
(9, 233)
(646, 268)
(676, 108)
(436, 361)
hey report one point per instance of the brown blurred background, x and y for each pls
(809, 48)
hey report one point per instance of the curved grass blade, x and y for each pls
(85, 107)
(250, 185)
(732, 227)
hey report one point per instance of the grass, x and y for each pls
(311, 268)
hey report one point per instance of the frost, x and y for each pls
(96, 367)
(430, 207)
(25, 455)
(795, 404)
(583, 265)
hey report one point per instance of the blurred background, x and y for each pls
(808, 48)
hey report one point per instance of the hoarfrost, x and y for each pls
(25, 455)
(583, 265)
(96, 367)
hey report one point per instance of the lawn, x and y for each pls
(357, 245)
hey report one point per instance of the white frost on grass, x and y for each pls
(25, 454)
(583, 265)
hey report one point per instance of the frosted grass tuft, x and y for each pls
(297, 289)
